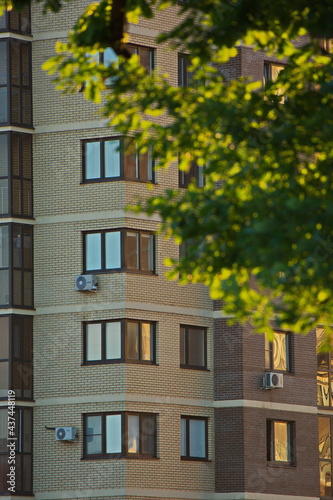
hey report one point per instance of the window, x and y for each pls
(193, 340)
(122, 249)
(184, 75)
(194, 174)
(271, 73)
(15, 82)
(105, 159)
(325, 456)
(120, 434)
(324, 370)
(15, 174)
(16, 280)
(194, 438)
(280, 441)
(16, 356)
(277, 353)
(146, 55)
(16, 21)
(23, 449)
(123, 340)
(108, 56)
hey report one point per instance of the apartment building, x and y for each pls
(116, 383)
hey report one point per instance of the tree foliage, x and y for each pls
(259, 233)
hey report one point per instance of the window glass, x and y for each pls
(4, 289)
(192, 347)
(112, 250)
(109, 56)
(25, 48)
(112, 158)
(4, 246)
(146, 252)
(4, 378)
(94, 435)
(132, 250)
(113, 340)
(148, 434)
(4, 337)
(93, 251)
(16, 195)
(3, 154)
(182, 346)
(193, 438)
(94, 341)
(15, 61)
(27, 247)
(196, 347)
(3, 429)
(92, 160)
(198, 438)
(15, 101)
(183, 432)
(324, 432)
(27, 289)
(132, 340)
(133, 433)
(277, 355)
(280, 351)
(325, 473)
(17, 247)
(3, 105)
(113, 434)
(146, 342)
(3, 64)
(324, 370)
(322, 357)
(3, 23)
(281, 448)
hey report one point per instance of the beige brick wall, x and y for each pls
(64, 389)
(60, 463)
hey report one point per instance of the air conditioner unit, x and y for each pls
(273, 380)
(86, 282)
(65, 433)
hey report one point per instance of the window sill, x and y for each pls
(117, 179)
(268, 370)
(284, 465)
(197, 368)
(120, 270)
(120, 457)
(195, 459)
(118, 362)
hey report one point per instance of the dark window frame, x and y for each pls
(20, 365)
(21, 87)
(188, 456)
(124, 432)
(325, 460)
(18, 181)
(186, 350)
(184, 75)
(23, 450)
(195, 173)
(271, 442)
(24, 267)
(324, 372)
(123, 249)
(138, 157)
(23, 21)
(269, 353)
(124, 358)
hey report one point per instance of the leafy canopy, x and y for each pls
(259, 233)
